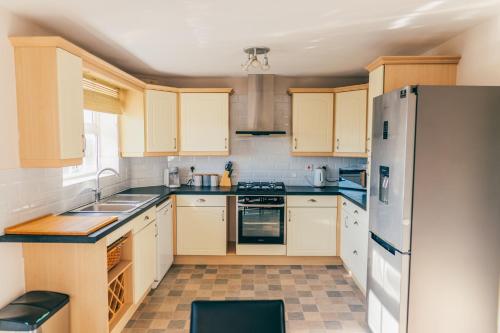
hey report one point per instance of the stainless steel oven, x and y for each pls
(261, 219)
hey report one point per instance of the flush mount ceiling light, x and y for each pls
(253, 58)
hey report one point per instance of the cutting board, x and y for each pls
(61, 225)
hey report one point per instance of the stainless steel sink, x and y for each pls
(129, 198)
(117, 203)
(106, 208)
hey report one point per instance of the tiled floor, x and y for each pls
(317, 298)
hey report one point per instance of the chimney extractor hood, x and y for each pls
(260, 109)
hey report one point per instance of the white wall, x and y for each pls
(12, 277)
(480, 51)
(28, 193)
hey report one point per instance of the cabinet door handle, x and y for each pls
(295, 143)
(225, 143)
(289, 216)
(175, 143)
(345, 223)
(312, 200)
(344, 204)
(201, 200)
(355, 252)
(356, 211)
(355, 223)
(223, 215)
(146, 218)
(84, 143)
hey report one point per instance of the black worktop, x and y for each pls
(163, 192)
(355, 196)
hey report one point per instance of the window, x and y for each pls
(101, 136)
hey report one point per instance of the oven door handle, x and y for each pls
(261, 206)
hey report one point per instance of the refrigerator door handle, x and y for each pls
(388, 247)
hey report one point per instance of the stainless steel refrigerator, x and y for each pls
(434, 243)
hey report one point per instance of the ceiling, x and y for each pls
(206, 37)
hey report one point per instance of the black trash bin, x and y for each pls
(36, 311)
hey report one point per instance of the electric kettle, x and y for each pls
(319, 179)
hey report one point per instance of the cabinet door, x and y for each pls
(346, 245)
(161, 121)
(311, 231)
(201, 231)
(359, 231)
(144, 264)
(350, 121)
(70, 104)
(204, 123)
(312, 122)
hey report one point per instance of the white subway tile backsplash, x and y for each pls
(29, 193)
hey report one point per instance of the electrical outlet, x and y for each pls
(309, 167)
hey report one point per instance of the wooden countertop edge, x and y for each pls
(12, 230)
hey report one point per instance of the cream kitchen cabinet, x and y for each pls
(149, 122)
(350, 121)
(161, 121)
(49, 87)
(311, 225)
(354, 241)
(392, 72)
(204, 123)
(144, 252)
(312, 115)
(201, 225)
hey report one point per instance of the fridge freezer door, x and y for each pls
(392, 167)
(387, 288)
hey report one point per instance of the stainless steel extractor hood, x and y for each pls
(260, 109)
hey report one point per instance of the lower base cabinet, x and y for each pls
(201, 231)
(311, 226)
(144, 266)
(354, 242)
(311, 231)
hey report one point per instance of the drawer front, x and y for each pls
(346, 239)
(144, 219)
(352, 209)
(117, 234)
(354, 244)
(201, 201)
(311, 201)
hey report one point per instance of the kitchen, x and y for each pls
(271, 234)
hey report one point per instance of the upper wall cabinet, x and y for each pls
(161, 121)
(204, 121)
(49, 87)
(350, 120)
(329, 121)
(392, 72)
(312, 123)
(148, 124)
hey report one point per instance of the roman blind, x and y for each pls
(100, 96)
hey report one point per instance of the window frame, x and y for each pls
(92, 128)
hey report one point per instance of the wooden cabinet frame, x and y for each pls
(292, 91)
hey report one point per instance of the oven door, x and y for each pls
(261, 224)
